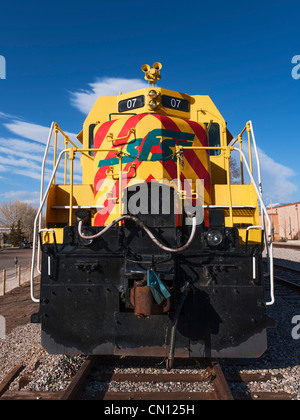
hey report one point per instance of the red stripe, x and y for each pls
(194, 160)
(191, 156)
(100, 176)
(199, 131)
(168, 165)
(129, 124)
(202, 136)
(101, 134)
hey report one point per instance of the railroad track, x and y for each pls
(78, 389)
(287, 282)
(278, 245)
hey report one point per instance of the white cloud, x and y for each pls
(30, 131)
(21, 148)
(29, 197)
(8, 116)
(36, 132)
(24, 157)
(23, 166)
(84, 100)
(276, 179)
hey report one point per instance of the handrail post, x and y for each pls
(119, 155)
(249, 146)
(227, 158)
(55, 147)
(180, 192)
(240, 140)
(120, 185)
(178, 154)
(66, 160)
(71, 157)
(3, 281)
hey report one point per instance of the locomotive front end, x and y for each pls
(156, 253)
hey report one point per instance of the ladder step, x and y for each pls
(77, 207)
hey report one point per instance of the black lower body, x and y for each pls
(87, 307)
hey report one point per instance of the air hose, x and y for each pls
(146, 229)
(170, 359)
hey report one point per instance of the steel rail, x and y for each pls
(213, 374)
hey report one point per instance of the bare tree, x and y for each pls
(13, 211)
(235, 171)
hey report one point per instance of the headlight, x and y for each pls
(152, 93)
(214, 237)
(154, 104)
(87, 231)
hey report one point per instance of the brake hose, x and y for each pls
(170, 359)
(146, 229)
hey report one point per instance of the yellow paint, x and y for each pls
(240, 210)
(48, 236)
(147, 168)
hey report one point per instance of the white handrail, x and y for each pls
(42, 189)
(36, 221)
(44, 160)
(259, 179)
(257, 157)
(265, 213)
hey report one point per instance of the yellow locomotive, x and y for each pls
(156, 252)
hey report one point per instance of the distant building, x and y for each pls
(285, 221)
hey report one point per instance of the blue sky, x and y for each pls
(61, 55)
